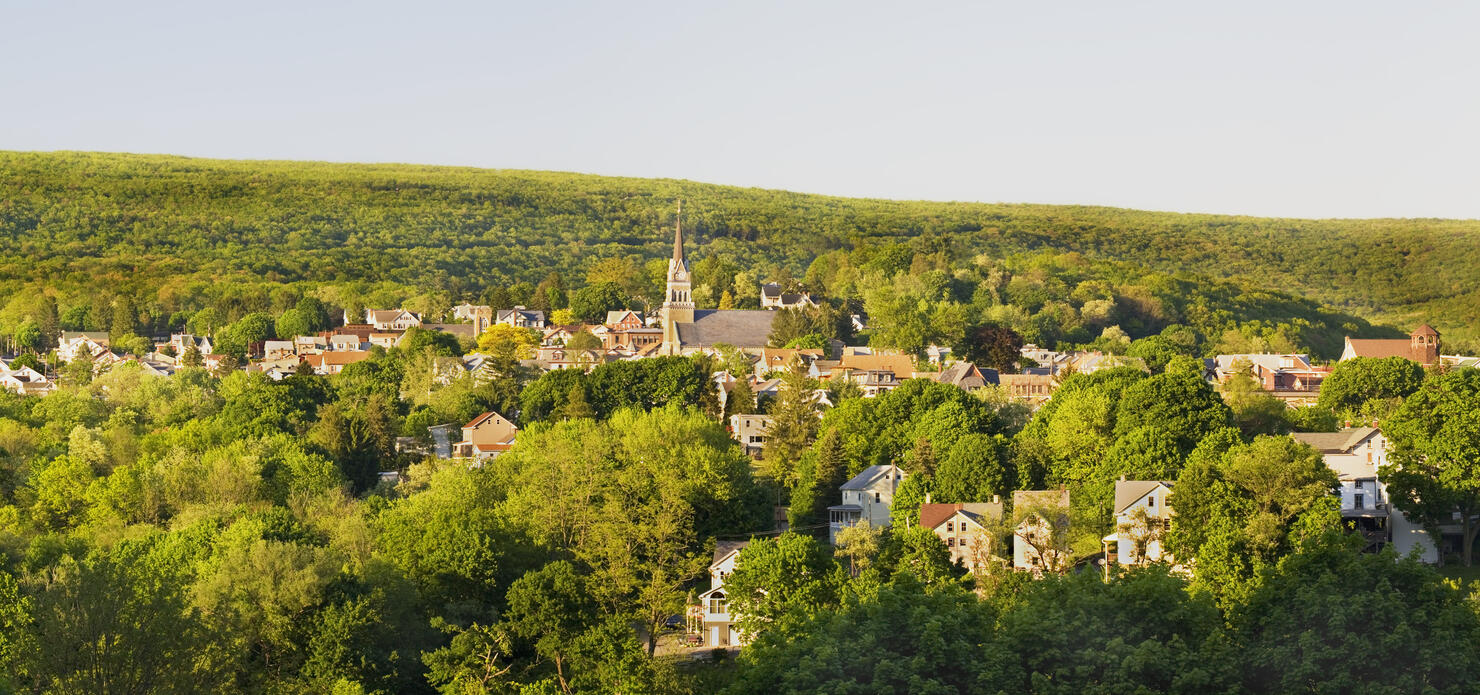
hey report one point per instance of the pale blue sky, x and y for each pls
(1339, 109)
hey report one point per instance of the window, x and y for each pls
(1359, 484)
(1151, 501)
(963, 542)
(948, 527)
(876, 498)
(950, 542)
(1359, 501)
(716, 606)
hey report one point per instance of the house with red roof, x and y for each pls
(485, 437)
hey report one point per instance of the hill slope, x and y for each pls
(135, 220)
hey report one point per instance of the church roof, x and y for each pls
(739, 327)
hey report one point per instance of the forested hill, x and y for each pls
(137, 221)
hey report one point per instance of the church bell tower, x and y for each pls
(678, 300)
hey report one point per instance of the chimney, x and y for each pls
(927, 498)
(996, 499)
(1122, 477)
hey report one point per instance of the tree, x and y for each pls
(740, 400)
(551, 608)
(991, 345)
(1433, 469)
(506, 342)
(590, 303)
(583, 340)
(1369, 387)
(576, 406)
(859, 545)
(779, 582)
(793, 424)
(294, 322)
(1255, 411)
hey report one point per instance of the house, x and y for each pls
(485, 437)
(625, 319)
(334, 362)
(1043, 357)
(966, 376)
(559, 357)
(875, 374)
(866, 497)
(687, 330)
(1034, 386)
(182, 342)
(779, 360)
(1089, 362)
(750, 431)
(773, 298)
(309, 344)
(937, 354)
(520, 317)
(1421, 346)
(1040, 538)
(466, 312)
(277, 369)
(25, 381)
(277, 349)
(74, 345)
(716, 623)
(388, 319)
(385, 340)
(1289, 377)
(966, 528)
(1142, 517)
(347, 342)
(1355, 455)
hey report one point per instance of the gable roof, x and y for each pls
(1335, 442)
(1127, 492)
(958, 373)
(723, 549)
(99, 337)
(485, 417)
(738, 327)
(873, 474)
(899, 365)
(933, 515)
(1381, 347)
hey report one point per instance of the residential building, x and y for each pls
(773, 298)
(277, 349)
(687, 330)
(348, 342)
(1040, 538)
(624, 320)
(750, 431)
(717, 623)
(967, 376)
(467, 312)
(1355, 455)
(874, 374)
(559, 357)
(25, 381)
(1142, 517)
(388, 319)
(87, 345)
(1289, 377)
(334, 362)
(485, 437)
(867, 497)
(966, 529)
(385, 341)
(1035, 385)
(1421, 346)
(461, 331)
(520, 317)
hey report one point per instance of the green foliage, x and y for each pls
(780, 582)
(1433, 469)
(1365, 387)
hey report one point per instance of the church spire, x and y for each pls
(678, 234)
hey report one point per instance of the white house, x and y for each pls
(389, 319)
(1142, 517)
(82, 344)
(1355, 455)
(520, 317)
(867, 497)
(773, 298)
(716, 620)
(25, 381)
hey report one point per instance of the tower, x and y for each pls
(678, 300)
(1423, 345)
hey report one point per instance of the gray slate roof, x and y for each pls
(738, 327)
(866, 479)
(1335, 442)
(723, 548)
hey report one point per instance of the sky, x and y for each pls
(1299, 109)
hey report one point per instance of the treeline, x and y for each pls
(160, 228)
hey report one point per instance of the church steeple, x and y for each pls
(678, 300)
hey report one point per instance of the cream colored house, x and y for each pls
(1355, 455)
(1040, 540)
(965, 528)
(485, 437)
(717, 622)
(1142, 517)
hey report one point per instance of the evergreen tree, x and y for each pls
(793, 424)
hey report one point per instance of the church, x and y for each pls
(687, 330)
